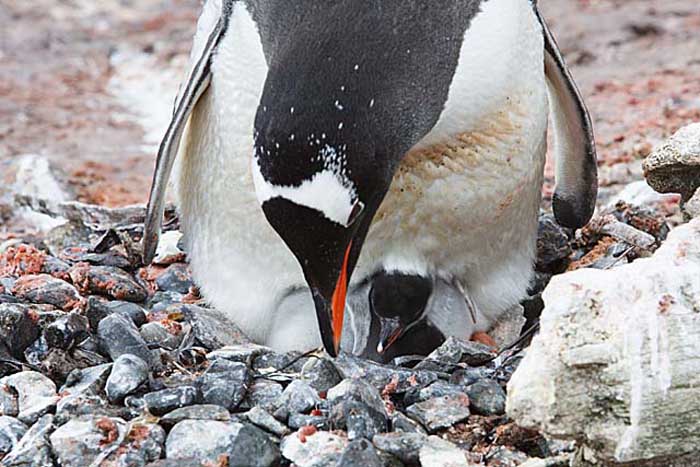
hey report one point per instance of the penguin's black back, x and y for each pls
(388, 64)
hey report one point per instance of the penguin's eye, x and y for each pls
(355, 213)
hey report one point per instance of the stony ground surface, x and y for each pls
(104, 362)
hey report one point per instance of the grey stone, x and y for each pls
(442, 412)
(129, 372)
(167, 400)
(66, 332)
(81, 441)
(195, 412)
(267, 422)
(437, 389)
(298, 397)
(321, 374)
(18, 327)
(240, 444)
(46, 289)
(224, 383)
(143, 443)
(34, 449)
(360, 453)
(358, 408)
(615, 361)
(87, 405)
(108, 281)
(176, 278)
(468, 376)
(118, 336)
(318, 450)
(402, 423)
(264, 394)
(98, 309)
(405, 446)
(553, 247)
(155, 334)
(36, 394)
(297, 421)
(503, 456)
(11, 431)
(211, 328)
(674, 166)
(89, 381)
(453, 351)
(380, 376)
(486, 397)
(241, 353)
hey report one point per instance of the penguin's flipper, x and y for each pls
(197, 82)
(576, 162)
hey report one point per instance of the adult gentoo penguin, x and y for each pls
(317, 144)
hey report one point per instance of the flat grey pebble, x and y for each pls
(405, 446)
(224, 383)
(118, 336)
(195, 412)
(266, 421)
(487, 397)
(34, 449)
(441, 412)
(360, 453)
(298, 397)
(167, 400)
(242, 445)
(129, 372)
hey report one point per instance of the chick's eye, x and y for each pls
(355, 213)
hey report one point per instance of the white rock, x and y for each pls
(617, 361)
(36, 394)
(321, 448)
(437, 452)
(35, 177)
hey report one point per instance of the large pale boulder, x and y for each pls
(616, 365)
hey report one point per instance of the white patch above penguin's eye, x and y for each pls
(325, 192)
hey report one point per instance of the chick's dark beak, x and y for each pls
(390, 330)
(330, 311)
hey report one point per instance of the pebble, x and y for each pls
(267, 422)
(486, 397)
(36, 394)
(437, 389)
(264, 394)
(230, 443)
(81, 441)
(224, 383)
(241, 353)
(166, 400)
(321, 374)
(70, 408)
(692, 207)
(405, 446)
(297, 421)
(442, 412)
(11, 431)
(195, 412)
(211, 329)
(674, 166)
(358, 408)
(468, 376)
(143, 443)
(322, 448)
(403, 424)
(118, 336)
(34, 449)
(67, 332)
(107, 281)
(128, 374)
(155, 334)
(46, 289)
(360, 453)
(437, 452)
(298, 397)
(553, 246)
(89, 381)
(176, 278)
(379, 376)
(98, 309)
(18, 327)
(503, 456)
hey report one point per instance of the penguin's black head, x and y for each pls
(398, 301)
(320, 178)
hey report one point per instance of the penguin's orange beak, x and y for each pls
(338, 301)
